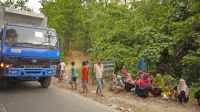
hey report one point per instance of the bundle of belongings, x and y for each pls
(116, 85)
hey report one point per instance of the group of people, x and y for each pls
(97, 71)
(146, 85)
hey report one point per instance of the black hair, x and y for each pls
(83, 63)
(72, 63)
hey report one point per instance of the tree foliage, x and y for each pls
(18, 4)
(166, 33)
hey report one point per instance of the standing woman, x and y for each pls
(183, 91)
(84, 77)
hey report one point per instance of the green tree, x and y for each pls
(164, 32)
(18, 4)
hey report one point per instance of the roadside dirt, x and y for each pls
(125, 101)
(129, 102)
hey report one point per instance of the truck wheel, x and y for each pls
(3, 83)
(45, 82)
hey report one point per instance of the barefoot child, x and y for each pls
(73, 75)
(84, 77)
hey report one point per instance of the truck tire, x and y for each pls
(45, 82)
(3, 83)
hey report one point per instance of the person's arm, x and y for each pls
(72, 72)
(94, 71)
(85, 71)
(64, 67)
(102, 70)
(187, 92)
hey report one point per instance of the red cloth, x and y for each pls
(85, 73)
(141, 83)
(123, 72)
(147, 79)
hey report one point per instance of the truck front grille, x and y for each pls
(31, 66)
(28, 62)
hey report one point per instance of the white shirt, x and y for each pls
(62, 66)
(98, 71)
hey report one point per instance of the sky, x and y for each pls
(34, 4)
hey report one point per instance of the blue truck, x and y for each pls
(29, 49)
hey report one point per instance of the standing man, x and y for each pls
(99, 77)
(84, 77)
(94, 63)
(73, 75)
(62, 71)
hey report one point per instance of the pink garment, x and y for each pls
(182, 87)
(141, 83)
(147, 79)
(123, 72)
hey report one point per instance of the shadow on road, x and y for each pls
(17, 86)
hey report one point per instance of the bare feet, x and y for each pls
(101, 95)
(82, 92)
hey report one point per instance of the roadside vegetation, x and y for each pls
(166, 33)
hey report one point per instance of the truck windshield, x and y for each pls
(30, 37)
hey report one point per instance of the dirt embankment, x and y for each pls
(125, 101)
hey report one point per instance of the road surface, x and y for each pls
(29, 97)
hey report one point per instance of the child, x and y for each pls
(168, 92)
(62, 71)
(84, 77)
(113, 82)
(73, 75)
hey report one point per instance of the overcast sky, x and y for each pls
(34, 4)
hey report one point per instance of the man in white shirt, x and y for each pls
(99, 77)
(62, 71)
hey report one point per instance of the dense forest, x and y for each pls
(166, 33)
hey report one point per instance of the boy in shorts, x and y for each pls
(73, 76)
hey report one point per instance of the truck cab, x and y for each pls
(29, 50)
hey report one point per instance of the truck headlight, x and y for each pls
(2, 65)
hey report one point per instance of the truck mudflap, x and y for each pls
(31, 72)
